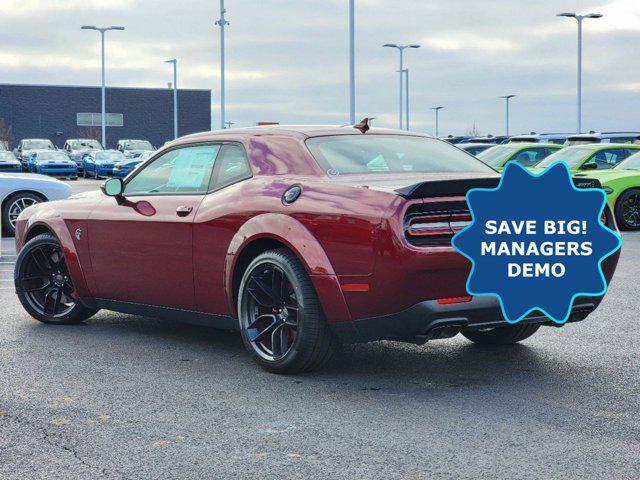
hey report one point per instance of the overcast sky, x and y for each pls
(288, 60)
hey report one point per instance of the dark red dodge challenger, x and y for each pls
(300, 237)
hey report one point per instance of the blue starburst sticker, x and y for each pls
(536, 242)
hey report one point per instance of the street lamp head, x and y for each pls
(393, 45)
(171, 61)
(116, 28)
(508, 96)
(593, 15)
(414, 45)
(89, 27)
(436, 108)
(567, 14)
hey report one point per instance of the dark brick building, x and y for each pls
(61, 112)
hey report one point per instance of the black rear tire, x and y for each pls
(627, 210)
(308, 341)
(44, 285)
(506, 335)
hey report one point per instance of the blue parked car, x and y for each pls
(9, 162)
(52, 163)
(100, 163)
(125, 168)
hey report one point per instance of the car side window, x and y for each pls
(531, 156)
(605, 159)
(184, 171)
(231, 167)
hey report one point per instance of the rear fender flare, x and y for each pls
(304, 245)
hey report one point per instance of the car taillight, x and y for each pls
(434, 223)
(459, 221)
(429, 225)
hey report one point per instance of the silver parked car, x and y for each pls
(19, 191)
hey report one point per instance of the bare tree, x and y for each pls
(6, 134)
(474, 131)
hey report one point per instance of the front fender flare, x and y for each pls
(292, 233)
(53, 221)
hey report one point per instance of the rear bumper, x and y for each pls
(423, 320)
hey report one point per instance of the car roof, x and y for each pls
(520, 145)
(297, 131)
(476, 144)
(605, 146)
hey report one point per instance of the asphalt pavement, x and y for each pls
(130, 397)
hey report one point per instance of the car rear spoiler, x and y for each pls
(446, 188)
(459, 188)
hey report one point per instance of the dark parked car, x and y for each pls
(133, 148)
(299, 237)
(77, 148)
(29, 145)
(475, 148)
(496, 140)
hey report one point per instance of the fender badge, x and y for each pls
(78, 234)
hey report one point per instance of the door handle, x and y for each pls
(184, 211)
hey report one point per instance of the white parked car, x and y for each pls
(19, 191)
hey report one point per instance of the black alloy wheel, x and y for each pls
(281, 320)
(44, 285)
(272, 321)
(628, 210)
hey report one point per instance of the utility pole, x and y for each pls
(222, 22)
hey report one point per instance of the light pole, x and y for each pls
(175, 96)
(102, 30)
(506, 121)
(401, 49)
(437, 110)
(352, 63)
(222, 22)
(579, 19)
(406, 97)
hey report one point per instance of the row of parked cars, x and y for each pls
(613, 159)
(78, 156)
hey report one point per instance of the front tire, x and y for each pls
(628, 210)
(44, 285)
(506, 335)
(281, 320)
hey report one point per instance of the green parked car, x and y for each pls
(622, 184)
(526, 154)
(592, 157)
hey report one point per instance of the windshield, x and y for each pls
(496, 156)
(52, 156)
(476, 149)
(572, 156)
(143, 157)
(86, 145)
(631, 163)
(351, 154)
(37, 145)
(112, 156)
(6, 156)
(137, 145)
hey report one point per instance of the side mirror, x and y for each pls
(113, 187)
